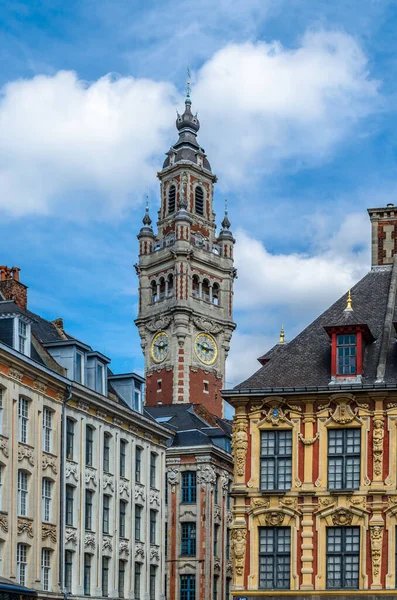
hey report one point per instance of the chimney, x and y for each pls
(11, 288)
(384, 235)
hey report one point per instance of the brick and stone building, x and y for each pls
(82, 466)
(315, 447)
(185, 323)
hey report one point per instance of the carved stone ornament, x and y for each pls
(83, 406)
(15, 374)
(217, 512)
(49, 531)
(229, 517)
(4, 446)
(238, 543)
(173, 477)
(71, 470)
(217, 564)
(158, 323)
(274, 518)
(260, 503)
(204, 324)
(25, 526)
(107, 544)
(140, 492)
(240, 446)
(225, 481)
(108, 482)
(124, 487)
(308, 441)
(377, 445)
(342, 517)
(276, 416)
(229, 568)
(40, 386)
(49, 461)
(325, 502)
(89, 541)
(90, 476)
(343, 412)
(4, 522)
(139, 550)
(376, 534)
(124, 548)
(154, 497)
(288, 502)
(154, 554)
(389, 480)
(26, 452)
(206, 476)
(71, 537)
(358, 501)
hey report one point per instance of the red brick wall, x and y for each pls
(153, 396)
(15, 290)
(212, 400)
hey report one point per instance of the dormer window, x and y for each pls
(346, 351)
(100, 378)
(22, 336)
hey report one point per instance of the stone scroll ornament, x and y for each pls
(377, 446)
(240, 446)
(238, 545)
(158, 323)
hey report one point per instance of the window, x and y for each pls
(228, 584)
(188, 539)
(274, 557)
(153, 460)
(215, 587)
(189, 487)
(106, 453)
(88, 509)
(105, 575)
(100, 378)
(89, 443)
(152, 582)
(69, 505)
(216, 490)
(171, 199)
(137, 581)
(46, 498)
(68, 570)
(23, 420)
(87, 574)
(137, 399)
(47, 429)
(215, 294)
(276, 460)
(45, 569)
(138, 461)
(188, 587)
(69, 438)
(199, 200)
(152, 531)
(22, 336)
(22, 494)
(228, 544)
(123, 452)
(216, 536)
(228, 497)
(106, 514)
(153, 286)
(170, 287)
(1, 409)
(346, 352)
(123, 510)
(138, 515)
(343, 555)
(344, 449)
(205, 290)
(121, 578)
(195, 287)
(79, 375)
(162, 288)
(22, 553)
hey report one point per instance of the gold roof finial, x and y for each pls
(282, 335)
(349, 301)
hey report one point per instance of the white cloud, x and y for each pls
(263, 104)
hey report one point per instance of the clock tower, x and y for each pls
(186, 275)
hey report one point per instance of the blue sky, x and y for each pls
(297, 102)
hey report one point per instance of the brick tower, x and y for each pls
(186, 278)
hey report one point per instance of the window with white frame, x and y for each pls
(22, 563)
(23, 420)
(46, 500)
(22, 336)
(22, 494)
(1, 409)
(45, 569)
(47, 429)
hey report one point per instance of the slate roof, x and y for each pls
(306, 360)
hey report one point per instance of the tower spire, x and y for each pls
(282, 335)
(226, 223)
(188, 88)
(147, 221)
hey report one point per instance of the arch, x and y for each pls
(171, 199)
(195, 286)
(199, 200)
(153, 287)
(205, 290)
(215, 294)
(161, 288)
(170, 285)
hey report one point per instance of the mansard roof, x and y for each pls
(306, 360)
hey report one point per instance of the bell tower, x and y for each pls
(186, 279)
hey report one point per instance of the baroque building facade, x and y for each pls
(314, 444)
(81, 465)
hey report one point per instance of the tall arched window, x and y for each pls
(195, 286)
(162, 289)
(170, 291)
(153, 286)
(171, 199)
(206, 290)
(215, 294)
(199, 200)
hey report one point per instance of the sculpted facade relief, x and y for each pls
(377, 445)
(240, 446)
(238, 544)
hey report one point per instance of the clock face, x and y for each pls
(160, 347)
(205, 348)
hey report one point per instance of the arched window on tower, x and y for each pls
(206, 290)
(153, 286)
(199, 200)
(170, 289)
(195, 287)
(162, 289)
(171, 199)
(215, 294)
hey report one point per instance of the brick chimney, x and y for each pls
(384, 235)
(11, 288)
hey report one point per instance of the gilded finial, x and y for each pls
(282, 335)
(188, 89)
(349, 301)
